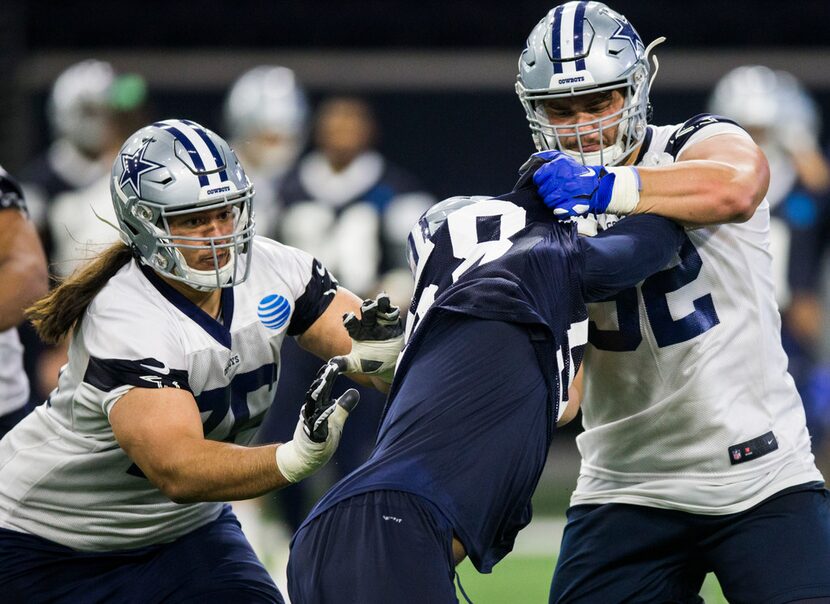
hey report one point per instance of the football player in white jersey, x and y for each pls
(266, 114)
(695, 454)
(24, 277)
(112, 490)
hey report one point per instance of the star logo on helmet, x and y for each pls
(626, 32)
(135, 166)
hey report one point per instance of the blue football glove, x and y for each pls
(571, 189)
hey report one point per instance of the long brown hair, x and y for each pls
(55, 315)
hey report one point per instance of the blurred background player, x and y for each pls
(77, 109)
(77, 230)
(350, 204)
(24, 278)
(91, 109)
(695, 438)
(351, 207)
(784, 121)
(266, 114)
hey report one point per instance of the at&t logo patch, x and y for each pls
(274, 311)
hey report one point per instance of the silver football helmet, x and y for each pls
(268, 99)
(760, 98)
(177, 167)
(580, 48)
(79, 102)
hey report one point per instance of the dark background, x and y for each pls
(458, 24)
(456, 122)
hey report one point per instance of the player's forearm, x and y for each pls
(24, 280)
(214, 471)
(627, 253)
(702, 192)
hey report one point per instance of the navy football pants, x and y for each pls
(212, 565)
(775, 552)
(383, 547)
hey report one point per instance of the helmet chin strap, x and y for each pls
(206, 280)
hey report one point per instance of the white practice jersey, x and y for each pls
(688, 404)
(14, 387)
(63, 475)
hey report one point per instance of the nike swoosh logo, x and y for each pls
(163, 370)
(700, 124)
(589, 172)
(320, 270)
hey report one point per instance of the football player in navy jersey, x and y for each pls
(24, 277)
(695, 447)
(113, 489)
(495, 337)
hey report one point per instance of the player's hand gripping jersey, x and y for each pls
(688, 404)
(444, 437)
(140, 332)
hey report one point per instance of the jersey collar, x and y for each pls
(218, 331)
(644, 146)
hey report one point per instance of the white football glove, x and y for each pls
(377, 339)
(318, 431)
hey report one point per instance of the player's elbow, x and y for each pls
(29, 280)
(37, 278)
(745, 189)
(172, 484)
(177, 492)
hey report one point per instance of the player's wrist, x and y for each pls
(300, 457)
(625, 186)
(289, 462)
(377, 358)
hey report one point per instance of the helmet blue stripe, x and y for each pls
(579, 27)
(223, 175)
(410, 244)
(555, 37)
(191, 149)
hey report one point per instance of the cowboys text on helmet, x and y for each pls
(172, 170)
(579, 49)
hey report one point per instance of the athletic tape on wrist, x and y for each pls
(626, 192)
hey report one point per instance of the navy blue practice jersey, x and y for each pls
(508, 259)
(502, 259)
(494, 337)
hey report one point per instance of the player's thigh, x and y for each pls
(205, 566)
(214, 563)
(36, 571)
(374, 548)
(624, 553)
(778, 551)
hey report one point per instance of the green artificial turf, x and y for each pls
(521, 579)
